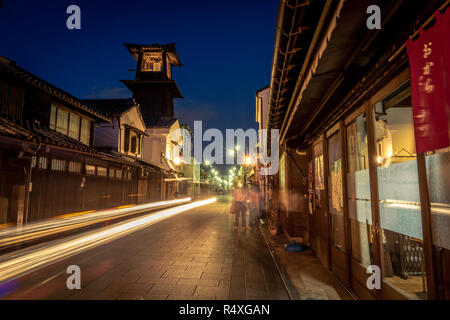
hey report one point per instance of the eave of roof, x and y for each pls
(296, 26)
(342, 65)
(42, 138)
(112, 107)
(135, 129)
(262, 89)
(170, 48)
(163, 123)
(172, 83)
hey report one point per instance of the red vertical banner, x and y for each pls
(445, 32)
(428, 60)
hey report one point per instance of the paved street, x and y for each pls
(194, 255)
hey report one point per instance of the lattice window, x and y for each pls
(412, 255)
(33, 162)
(74, 167)
(59, 165)
(43, 163)
(11, 101)
(90, 169)
(102, 171)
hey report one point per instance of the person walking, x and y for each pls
(253, 205)
(240, 199)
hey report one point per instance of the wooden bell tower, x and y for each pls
(153, 87)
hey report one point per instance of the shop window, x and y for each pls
(129, 175)
(58, 165)
(102, 172)
(358, 192)
(111, 173)
(438, 175)
(399, 198)
(118, 174)
(74, 167)
(90, 169)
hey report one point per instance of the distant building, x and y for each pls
(262, 109)
(125, 133)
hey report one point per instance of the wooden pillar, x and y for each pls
(28, 187)
(344, 166)
(376, 227)
(429, 256)
(18, 203)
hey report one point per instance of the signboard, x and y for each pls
(429, 58)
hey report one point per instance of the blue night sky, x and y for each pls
(226, 48)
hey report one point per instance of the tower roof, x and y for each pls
(111, 107)
(135, 49)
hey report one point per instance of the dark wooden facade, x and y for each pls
(45, 173)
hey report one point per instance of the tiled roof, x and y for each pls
(111, 106)
(37, 133)
(59, 139)
(163, 123)
(13, 69)
(10, 129)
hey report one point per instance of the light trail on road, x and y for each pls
(12, 236)
(31, 258)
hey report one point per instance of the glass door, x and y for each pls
(399, 197)
(438, 175)
(359, 203)
(339, 261)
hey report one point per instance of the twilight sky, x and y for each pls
(226, 48)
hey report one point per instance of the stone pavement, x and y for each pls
(194, 255)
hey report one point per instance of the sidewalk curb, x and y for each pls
(289, 287)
